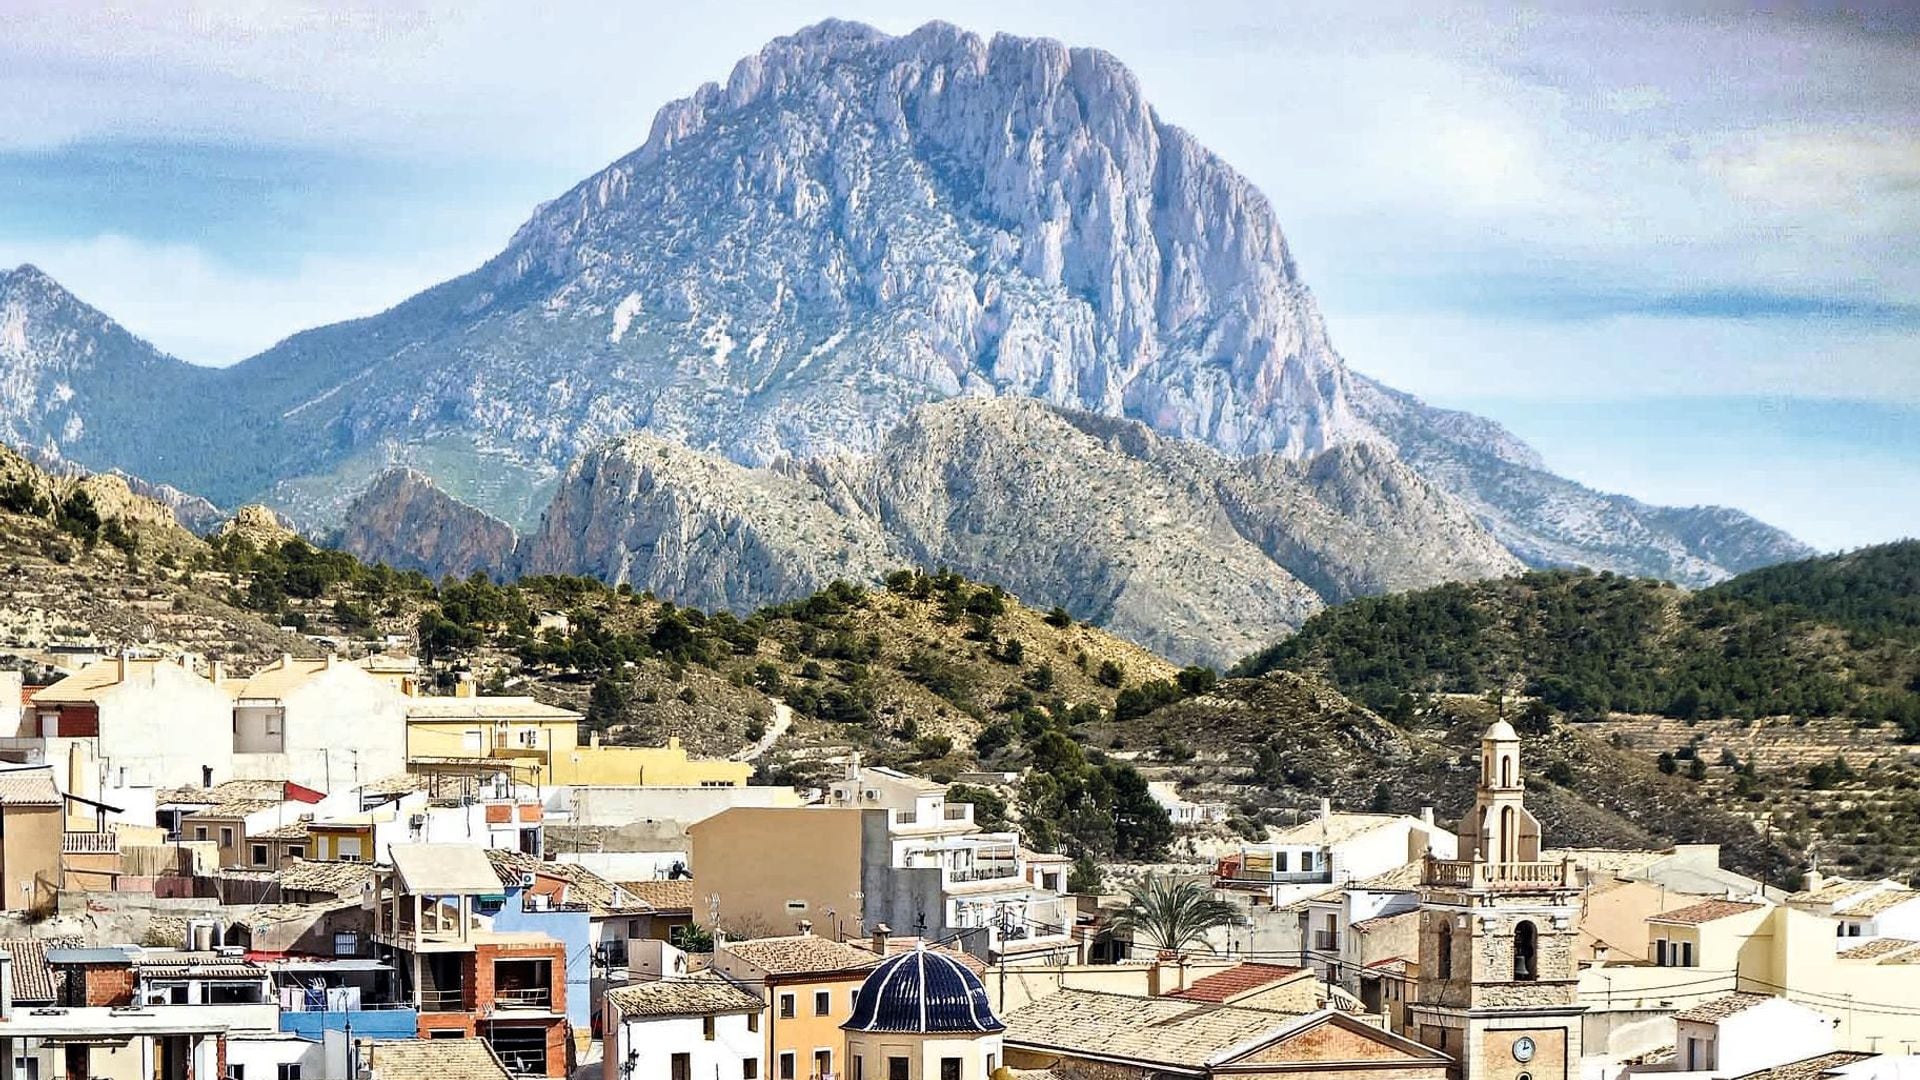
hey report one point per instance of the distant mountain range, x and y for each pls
(786, 279)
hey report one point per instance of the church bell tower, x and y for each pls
(1498, 984)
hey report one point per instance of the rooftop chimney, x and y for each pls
(881, 934)
(1326, 809)
(6, 985)
(806, 927)
(217, 670)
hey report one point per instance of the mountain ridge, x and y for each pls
(852, 227)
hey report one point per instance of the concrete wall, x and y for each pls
(343, 728)
(771, 867)
(30, 856)
(625, 805)
(162, 725)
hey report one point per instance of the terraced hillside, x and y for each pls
(1789, 696)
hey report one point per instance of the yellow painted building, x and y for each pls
(809, 983)
(1717, 947)
(546, 737)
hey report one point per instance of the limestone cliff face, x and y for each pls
(407, 522)
(853, 226)
(700, 530)
(1185, 550)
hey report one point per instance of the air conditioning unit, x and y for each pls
(527, 878)
(230, 951)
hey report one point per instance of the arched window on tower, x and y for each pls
(1446, 948)
(1509, 824)
(1506, 770)
(1526, 952)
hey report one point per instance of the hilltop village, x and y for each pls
(317, 869)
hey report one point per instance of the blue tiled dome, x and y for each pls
(923, 991)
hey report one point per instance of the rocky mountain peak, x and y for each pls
(800, 265)
(936, 215)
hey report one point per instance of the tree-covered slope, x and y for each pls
(1832, 636)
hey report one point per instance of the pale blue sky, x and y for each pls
(1675, 252)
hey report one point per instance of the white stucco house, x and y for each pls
(1739, 1033)
(324, 724)
(146, 722)
(682, 1028)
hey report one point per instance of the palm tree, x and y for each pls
(1175, 914)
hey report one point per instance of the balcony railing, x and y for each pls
(1279, 877)
(959, 811)
(523, 1062)
(987, 872)
(1326, 941)
(538, 997)
(90, 843)
(443, 1001)
(1462, 874)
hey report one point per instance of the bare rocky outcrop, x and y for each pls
(405, 521)
(258, 525)
(1185, 550)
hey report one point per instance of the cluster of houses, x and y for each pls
(318, 871)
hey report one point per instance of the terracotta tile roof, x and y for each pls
(1403, 878)
(434, 1059)
(225, 791)
(272, 682)
(1384, 922)
(1720, 1008)
(670, 895)
(338, 878)
(1877, 948)
(704, 994)
(908, 944)
(232, 808)
(33, 980)
(401, 784)
(296, 831)
(1159, 1031)
(1809, 1068)
(1333, 829)
(1392, 965)
(1878, 903)
(29, 787)
(1833, 891)
(1705, 912)
(801, 954)
(91, 683)
(600, 896)
(1224, 986)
